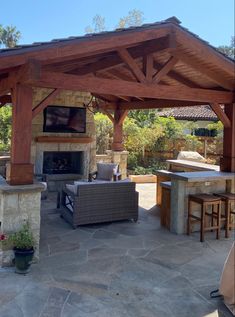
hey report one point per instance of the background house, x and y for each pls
(196, 119)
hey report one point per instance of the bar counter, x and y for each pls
(175, 188)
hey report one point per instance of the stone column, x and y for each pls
(119, 157)
(19, 204)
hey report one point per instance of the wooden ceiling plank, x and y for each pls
(45, 102)
(131, 63)
(215, 77)
(125, 88)
(221, 114)
(165, 69)
(204, 51)
(177, 77)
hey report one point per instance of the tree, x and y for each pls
(104, 131)
(5, 124)
(228, 49)
(9, 36)
(98, 23)
(134, 18)
(143, 118)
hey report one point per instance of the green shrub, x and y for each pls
(23, 239)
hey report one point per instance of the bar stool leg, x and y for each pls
(212, 217)
(189, 218)
(203, 214)
(218, 220)
(227, 218)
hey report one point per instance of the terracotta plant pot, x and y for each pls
(23, 260)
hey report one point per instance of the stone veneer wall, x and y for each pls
(65, 98)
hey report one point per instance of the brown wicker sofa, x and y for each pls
(99, 202)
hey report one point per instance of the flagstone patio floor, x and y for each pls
(121, 269)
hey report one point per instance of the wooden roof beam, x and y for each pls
(165, 69)
(131, 63)
(148, 67)
(45, 102)
(177, 77)
(110, 62)
(125, 88)
(221, 114)
(157, 103)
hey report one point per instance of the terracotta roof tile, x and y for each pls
(190, 113)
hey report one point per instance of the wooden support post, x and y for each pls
(227, 163)
(119, 116)
(20, 169)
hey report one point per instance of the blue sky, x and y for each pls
(44, 20)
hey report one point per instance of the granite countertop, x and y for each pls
(166, 184)
(195, 165)
(202, 176)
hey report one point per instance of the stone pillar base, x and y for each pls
(19, 204)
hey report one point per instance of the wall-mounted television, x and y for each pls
(64, 119)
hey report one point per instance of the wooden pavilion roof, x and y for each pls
(154, 65)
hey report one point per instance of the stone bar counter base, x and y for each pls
(184, 184)
(19, 204)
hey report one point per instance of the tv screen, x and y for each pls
(64, 119)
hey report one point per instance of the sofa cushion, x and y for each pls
(105, 171)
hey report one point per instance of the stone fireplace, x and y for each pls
(55, 162)
(63, 156)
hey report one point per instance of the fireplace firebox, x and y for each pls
(62, 162)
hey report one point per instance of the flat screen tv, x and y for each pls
(64, 119)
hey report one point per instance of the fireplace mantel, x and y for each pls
(58, 139)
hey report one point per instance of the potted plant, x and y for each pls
(23, 247)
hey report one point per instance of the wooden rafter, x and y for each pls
(177, 77)
(114, 60)
(45, 102)
(221, 114)
(214, 76)
(165, 69)
(124, 88)
(131, 63)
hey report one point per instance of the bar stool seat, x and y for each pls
(206, 201)
(228, 199)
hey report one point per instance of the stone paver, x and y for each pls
(121, 269)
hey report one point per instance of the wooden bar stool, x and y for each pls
(205, 200)
(228, 199)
